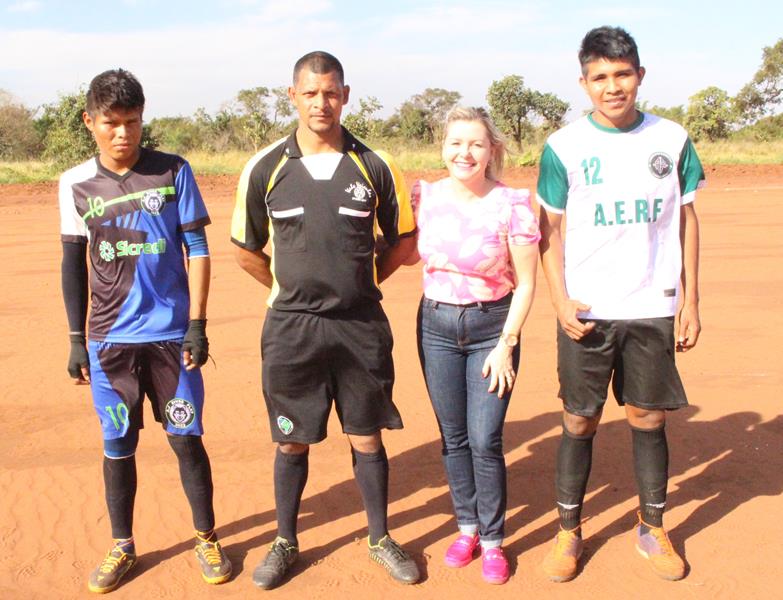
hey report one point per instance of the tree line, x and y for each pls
(259, 115)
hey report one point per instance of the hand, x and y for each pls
(567, 315)
(195, 345)
(689, 328)
(79, 360)
(500, 368)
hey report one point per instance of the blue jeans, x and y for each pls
(453, 343)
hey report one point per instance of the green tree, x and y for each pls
(765, 90)
(176, 134)
(19, 137)
(709, 115)
(511, 104)
(253, 108)
(361, 122)
(421, 117)
(673, 113)
(551, 109)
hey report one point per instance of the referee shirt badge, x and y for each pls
(285, 425)
(661, 164)
(359, 191)
(180, 413)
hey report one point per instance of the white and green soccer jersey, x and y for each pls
(621, 191)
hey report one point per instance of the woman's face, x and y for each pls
(467, 150)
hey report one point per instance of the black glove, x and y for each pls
(196, 341)
(78, 357)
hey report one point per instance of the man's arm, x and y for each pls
(195, 346)
(551, 249)
(75, 292)
(255, 262)
(689, 324)
(390, 258)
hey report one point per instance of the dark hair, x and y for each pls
(321, 63)
(612, 43)
(116, 88)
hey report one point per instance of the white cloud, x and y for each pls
(27, 6)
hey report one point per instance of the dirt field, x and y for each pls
(726, 458)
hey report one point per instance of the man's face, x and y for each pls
(118, 135)
(612, 86)
(319, 100)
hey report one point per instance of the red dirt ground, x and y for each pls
(726, 463)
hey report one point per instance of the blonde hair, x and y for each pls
(496, 139)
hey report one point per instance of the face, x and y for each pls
(612, 86)
(118, 135)
(467, 150)
(319, 99)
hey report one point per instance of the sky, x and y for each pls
(191, 54)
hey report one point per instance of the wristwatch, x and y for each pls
(509, 339)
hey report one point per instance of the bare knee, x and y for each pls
(293, 448)
(578, 425)
(640, 418)
(366, 444)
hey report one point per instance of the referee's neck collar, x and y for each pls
(293, 150)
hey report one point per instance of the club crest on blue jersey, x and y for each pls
(180, 413)
(359, 192)
(285, 425)
(660, 164)
(153, 202)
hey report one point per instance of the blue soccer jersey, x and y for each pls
(134, 224)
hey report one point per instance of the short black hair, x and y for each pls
(321, 63)
(115, 88)
(612, 43)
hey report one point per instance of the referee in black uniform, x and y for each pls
(318, 198)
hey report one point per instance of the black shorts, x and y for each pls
(310, 359)
(636, 355)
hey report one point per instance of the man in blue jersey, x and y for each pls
(626, 182)
(132, 211)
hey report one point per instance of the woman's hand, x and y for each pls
(500, 368)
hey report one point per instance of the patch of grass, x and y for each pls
(740, 152)
(28, 171)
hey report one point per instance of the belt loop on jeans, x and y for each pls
(481, 306)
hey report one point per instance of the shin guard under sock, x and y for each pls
(196, 475)
(372, 475)
(651, 466)
(574, 460)
(290, 477)
(119, 480)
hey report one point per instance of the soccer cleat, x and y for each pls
(271, 571)
(653, 543)
(560, 564)
(215, 566)
(460, 553)
(494, 565)
(390, 555)
(109, 573)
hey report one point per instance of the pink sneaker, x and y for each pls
(494, 566)
(460, 553)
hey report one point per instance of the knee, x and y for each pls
(580, 426)
(123, 447)
(639, 418)
(293, 448)
(186, 445)
(366, 444)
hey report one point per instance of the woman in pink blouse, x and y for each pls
(478, 242)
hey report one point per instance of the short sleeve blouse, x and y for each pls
(465, 245)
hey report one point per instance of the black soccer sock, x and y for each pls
(291, 472)
(574, 460)
(651, 465)
(372, 475)
(119, 480)
(196, 475)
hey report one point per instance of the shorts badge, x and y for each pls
(153, 202)
(285, 425)
(660, 164)
(180, 413)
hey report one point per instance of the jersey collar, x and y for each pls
(639, 120)
(292, 149)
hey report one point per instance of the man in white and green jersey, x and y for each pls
(625, 182)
